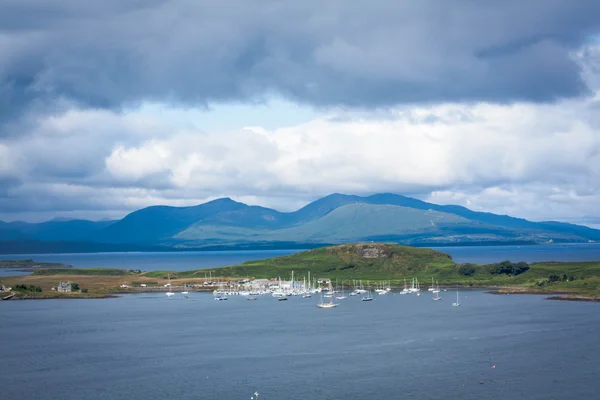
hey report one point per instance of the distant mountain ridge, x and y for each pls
(333, 219)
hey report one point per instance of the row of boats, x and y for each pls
(307, 290)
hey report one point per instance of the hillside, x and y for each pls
(334, 219)
(352, 261)
(55, 230)
(359, 221)
(158, 223)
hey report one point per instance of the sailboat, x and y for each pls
(432, 287)
(307, 289)
(185, 291)
(342, 297)
(368, 297)
(457, 302)
(331, 304)
(405, 290)
(170, 293)
(436, 293)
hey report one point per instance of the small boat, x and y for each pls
(457, 304)
(331, 304)
(220, 298)
(326, 305)
(169, 293)
(368, 297)
(252, 297)
(436, 293)
(432, 287)
(306, 296)
(282, 298)
(342, 297)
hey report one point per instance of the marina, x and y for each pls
(281, 289)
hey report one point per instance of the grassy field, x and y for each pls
(369, 262)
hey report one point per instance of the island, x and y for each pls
(370, 263)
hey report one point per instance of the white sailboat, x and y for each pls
(331, 304)
(436, 293)
(368, 297)
(185, 291)
(457, 304)
(342, 297)
(432, 287)
(170, 293)
(405, 290)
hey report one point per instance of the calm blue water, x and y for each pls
(183, 261)
(180, 261)
(396, 347)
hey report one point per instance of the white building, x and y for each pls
(64, 287)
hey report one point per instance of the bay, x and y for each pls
(149, 346)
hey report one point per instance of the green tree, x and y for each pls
(466, 270)
(553, 278)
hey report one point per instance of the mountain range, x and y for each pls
(334, 219)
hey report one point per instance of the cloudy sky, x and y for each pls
(107, 106)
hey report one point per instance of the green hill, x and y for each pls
(352, 261)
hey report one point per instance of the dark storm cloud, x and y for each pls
(113, 53)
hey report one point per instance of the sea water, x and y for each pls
(149, 346)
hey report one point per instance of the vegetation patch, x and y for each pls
(27, 288)
(466, 270)
(509, 268)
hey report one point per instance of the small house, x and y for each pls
(64, 287)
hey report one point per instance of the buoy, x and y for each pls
(493, 366)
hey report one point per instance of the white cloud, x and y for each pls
(136, 162)
(539, 161)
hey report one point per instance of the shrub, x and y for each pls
(508, 268)
(467, 270)
(553, 278)
(30, 288)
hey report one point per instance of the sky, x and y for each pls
(110, 106)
